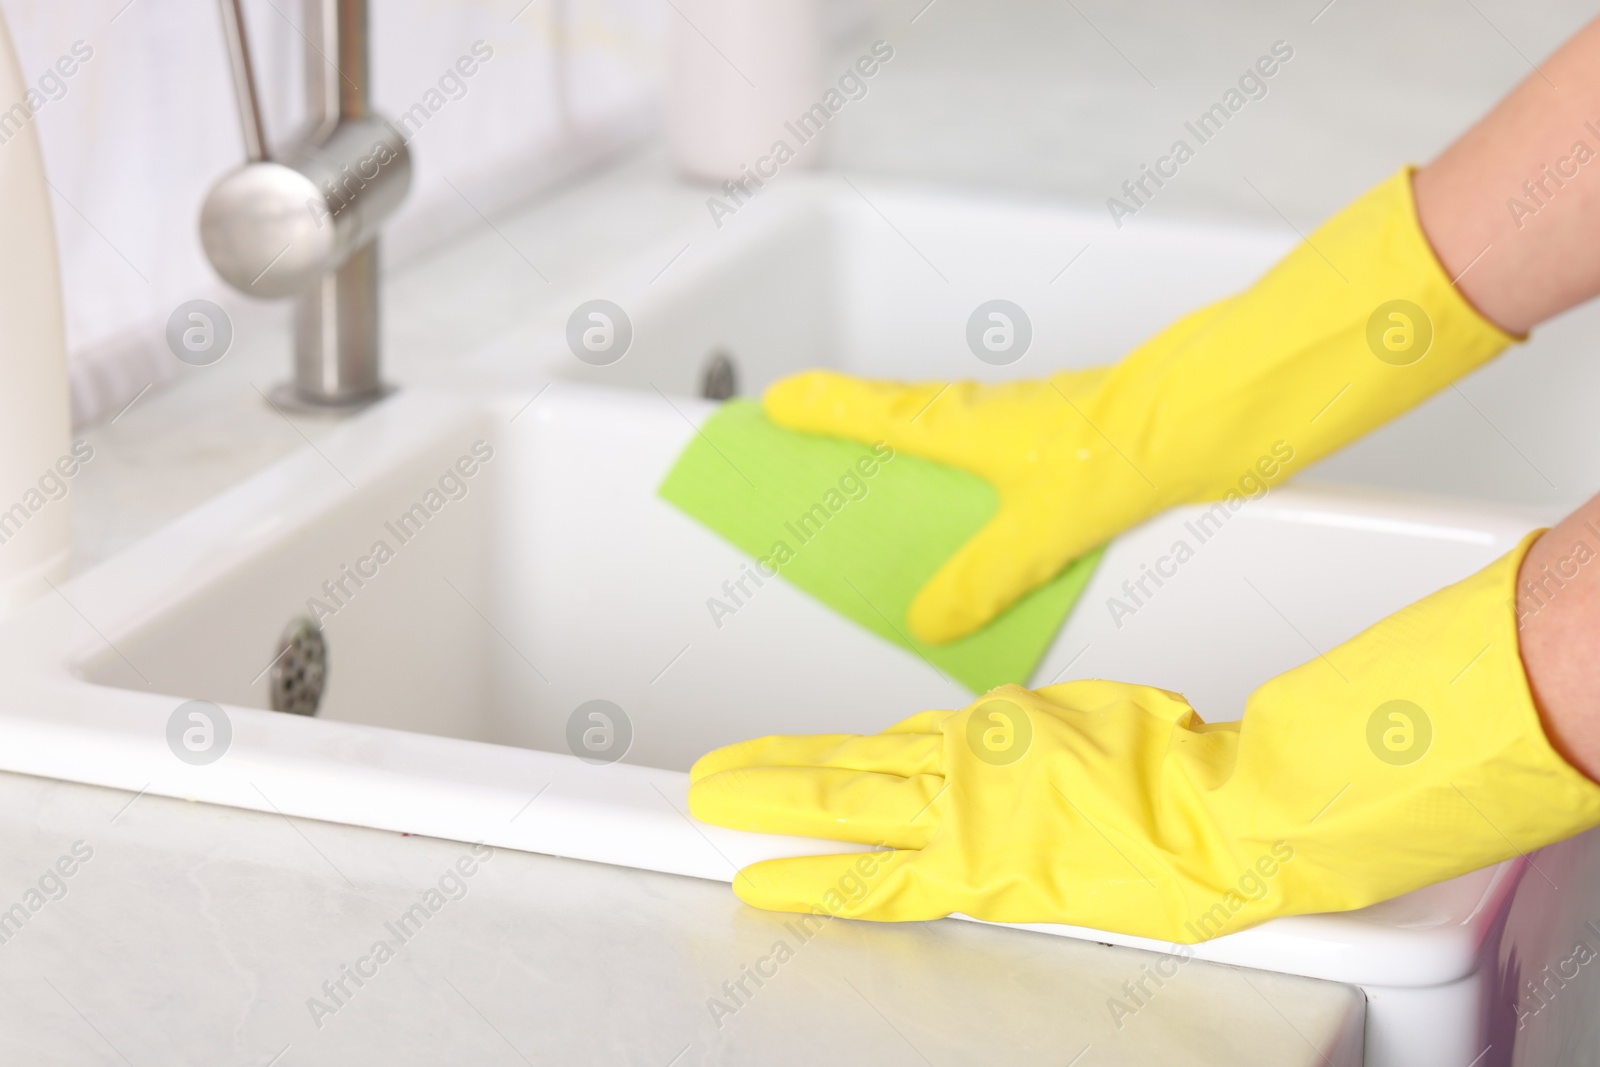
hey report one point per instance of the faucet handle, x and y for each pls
(244, 82)
(273, 228)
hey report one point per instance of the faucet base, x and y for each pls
(336, 335)
(288, 397)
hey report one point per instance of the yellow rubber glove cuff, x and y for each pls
(1410, 754)
(1356, 325)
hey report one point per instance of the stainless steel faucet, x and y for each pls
(305, 224)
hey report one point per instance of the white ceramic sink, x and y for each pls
(558, 577)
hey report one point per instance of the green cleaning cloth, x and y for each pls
(861, 529)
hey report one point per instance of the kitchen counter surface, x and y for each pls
(187, 933)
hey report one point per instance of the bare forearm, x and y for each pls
(1513, 206)
(1558, 619)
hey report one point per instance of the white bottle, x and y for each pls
(738, 70)
(35, 418)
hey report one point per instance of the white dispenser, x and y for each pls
(737, 71)
(35, 421)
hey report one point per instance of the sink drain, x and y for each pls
(720, 379)
(300, 672)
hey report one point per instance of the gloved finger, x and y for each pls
(923, 722)
(869, 809)
(927, 419)
(900, 754)
(864, 885)
(1005, 560)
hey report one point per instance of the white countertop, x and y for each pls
(196, 934)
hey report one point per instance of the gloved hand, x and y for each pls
(1410, 754)
(1315, 354)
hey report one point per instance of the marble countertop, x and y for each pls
(188, 934)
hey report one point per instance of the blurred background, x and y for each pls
(1061, 101)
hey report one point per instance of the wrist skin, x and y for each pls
(1558, 629)
(1512, 217)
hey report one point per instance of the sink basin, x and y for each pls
(488, 561)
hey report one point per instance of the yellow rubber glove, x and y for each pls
(1410, 754)
(1353, 327)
